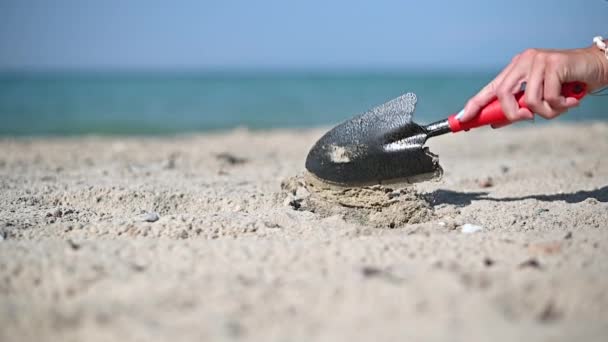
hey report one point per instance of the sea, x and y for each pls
(168, 103)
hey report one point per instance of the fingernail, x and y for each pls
(459, 115)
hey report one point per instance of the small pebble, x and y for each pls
(568, 236)
(545, 248)
(531, 263)
(271, 224)
(151, 217)
(371, 271)
(138, 266)
(230, 158)
(549, 313)
(169, 164)
(468, 228)
(485, 182)
(73, 245)
(488, 262)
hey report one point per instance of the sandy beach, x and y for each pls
(211, 237)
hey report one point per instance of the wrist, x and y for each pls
(601, 57)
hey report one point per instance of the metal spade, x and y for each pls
(384, 145)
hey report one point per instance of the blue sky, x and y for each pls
(229, 34)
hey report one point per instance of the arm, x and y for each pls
(544, 71)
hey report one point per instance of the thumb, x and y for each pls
(571, 102)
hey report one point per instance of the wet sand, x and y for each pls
(193, 238)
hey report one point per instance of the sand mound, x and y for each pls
(379, 205)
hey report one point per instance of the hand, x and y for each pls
(544, 72)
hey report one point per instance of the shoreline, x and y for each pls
(282, 129)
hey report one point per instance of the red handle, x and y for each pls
(492, 114)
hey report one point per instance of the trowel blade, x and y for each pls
(380, 146)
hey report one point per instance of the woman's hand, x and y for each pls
(544, 72)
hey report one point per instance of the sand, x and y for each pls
(193, 238)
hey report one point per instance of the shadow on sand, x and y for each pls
(460, 199)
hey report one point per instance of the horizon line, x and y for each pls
(248, 70)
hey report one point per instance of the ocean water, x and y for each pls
(170, 103)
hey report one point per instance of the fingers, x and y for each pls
(553, 102)
(511, 85)
(553, 94)
(506, 94)
(485, 95)
(556, 102)
(534, 86)
(477, 102)
(543, 71)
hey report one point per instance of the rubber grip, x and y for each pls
(492, 113)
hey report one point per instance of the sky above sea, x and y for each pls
(275, 34)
